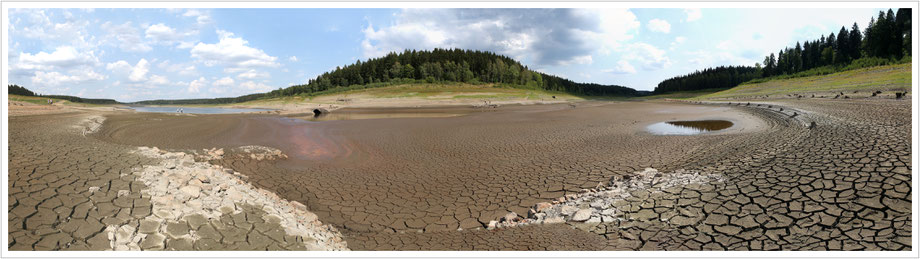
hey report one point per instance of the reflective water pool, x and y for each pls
(196, 110)
(688, 127)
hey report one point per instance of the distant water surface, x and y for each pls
(196, 110)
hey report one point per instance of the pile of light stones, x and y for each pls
(181, 188)
(597, 205)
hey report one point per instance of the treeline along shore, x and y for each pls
(886, 41)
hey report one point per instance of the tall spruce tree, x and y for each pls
(843, 48)
(904, 23)
(894, 36)
(854, 42)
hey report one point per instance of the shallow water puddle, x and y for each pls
(688, 127)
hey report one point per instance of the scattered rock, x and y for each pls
(510, 217)
(568, 210)
(542, 206)
(609, 204)
(191, 191)
(582, 215)
(492, 224)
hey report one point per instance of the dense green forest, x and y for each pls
(886, 40)
(454, 65)
(718, 77)
(438, 65)
(19, 90)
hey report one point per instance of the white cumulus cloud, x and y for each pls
(232, 52)
(693, 14)
(163, 34)
(226, 81)
(61, 57)
(200, 17)
(196, 85)
(649, 57)
(54, 78)
(252, 74)
(127, 37)
(542, 36)
(120, 66)
(659, 25)
(622, 68)
(139, 71)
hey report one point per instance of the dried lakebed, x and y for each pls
(772, 182)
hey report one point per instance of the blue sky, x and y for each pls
(140, 54)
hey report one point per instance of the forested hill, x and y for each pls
(886, 40)
(19, 90)
(438, 65)
(718, 77)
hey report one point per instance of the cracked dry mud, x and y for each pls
(410, 184)
(70, 192)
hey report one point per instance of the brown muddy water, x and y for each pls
(688, 127)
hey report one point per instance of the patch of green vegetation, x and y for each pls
(35, 100)
(44, 101)
(878, 78)
(830, 69)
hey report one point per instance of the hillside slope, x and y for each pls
(891, 78)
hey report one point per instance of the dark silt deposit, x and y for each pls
(688, 127)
